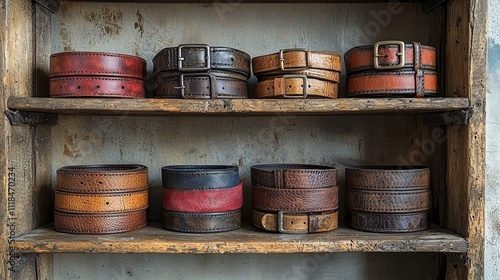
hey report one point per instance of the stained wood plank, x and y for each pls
(236, 2)
(236, 106)
(154, 239)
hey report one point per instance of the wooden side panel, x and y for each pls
(466, 171)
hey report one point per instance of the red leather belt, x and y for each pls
(201, 58)
(210, 84)
(81, 86)
(96, 64)
(99, 223)
(391, 68)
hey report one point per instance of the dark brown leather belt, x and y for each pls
(201, 58)
(388, 222)
(201, 222)
(81, 86)
(100, 203)
(103, 178)
(206, 85)
(96, 64)
(293, 222)
(387, 177)
(293, 176)
(99, 223)
(391, 68)
(389, 202)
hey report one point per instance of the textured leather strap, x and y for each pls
(387, 178)
(81, 86)
(99, 223)
(210, 84)
(293, 176)
(414, 56)
(211, 200)
(96, 64)
(388, 201)
(201, 222)
(287, 222)
(331, 76)
(200, 58)
(103, 178)
(393, 83)
(200, 177)
(295, 86)
(100, 203)
(296, 59)
(388, 223)
(311, 200)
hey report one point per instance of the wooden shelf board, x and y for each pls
(154, 239)
(249, 1)
(152, 106)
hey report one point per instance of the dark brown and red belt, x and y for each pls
(391, 68)
(202, 198)
(96, 74)
(97, 199)
(294, 198)
(388, 198)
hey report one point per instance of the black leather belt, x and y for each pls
(200, 176)
(201, 222)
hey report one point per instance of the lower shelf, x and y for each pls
(154, 239)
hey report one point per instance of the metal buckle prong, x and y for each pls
(282, 59)
(181, 59)
(281, 223)
(401, 54)
(305, 85)
(182, 85)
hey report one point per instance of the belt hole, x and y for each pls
(81, 183)
(123, 87)
(98, 86)
(100, 182)
(232, 58)
(60, 87)
(79, 87)
(107, 202)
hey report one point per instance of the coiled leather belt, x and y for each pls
(388, 199)
(391, 68)
(202, 198)
(294, 198)
(96, 199)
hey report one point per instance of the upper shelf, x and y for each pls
(152, 106)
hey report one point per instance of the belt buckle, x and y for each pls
(400, 54)
(182, 86)
(281, 227)
(304, 86)
(282, 59)
(192, 69)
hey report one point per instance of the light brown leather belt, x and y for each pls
(294, 222)
(201, 58)
(287, 60)
(388, 223)
(104, 178)
(391, 69)
(295, 86)
(210, 84)
(99, 223)
(100, 203)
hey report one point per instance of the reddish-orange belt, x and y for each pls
(391, 68)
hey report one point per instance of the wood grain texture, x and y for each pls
(236, 106)
(467, 22)
(154, 239)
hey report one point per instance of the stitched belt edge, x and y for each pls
(284, 175)
(387, 178)
(168, 59)
(295, 222)
(327, 75)
(103, 203)
(394, 223)
(311, 200)
(78, 66)
(295, 86)
(81, 86)
(214, 222)
(211, 200)
(388, 202)
(103, 178)
(200, 177)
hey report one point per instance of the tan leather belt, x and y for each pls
(201, 58)
(81, 86)
(103, 178)
(210, 84)
(388, 202)
(295, 60)
(295, 86)
(295, 222)
(293, 176)
(391, 69)
(100, 203)
(201, 222)
(99, 223)
(388, 223)
(387, 178)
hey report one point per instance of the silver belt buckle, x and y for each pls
(181, 59)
